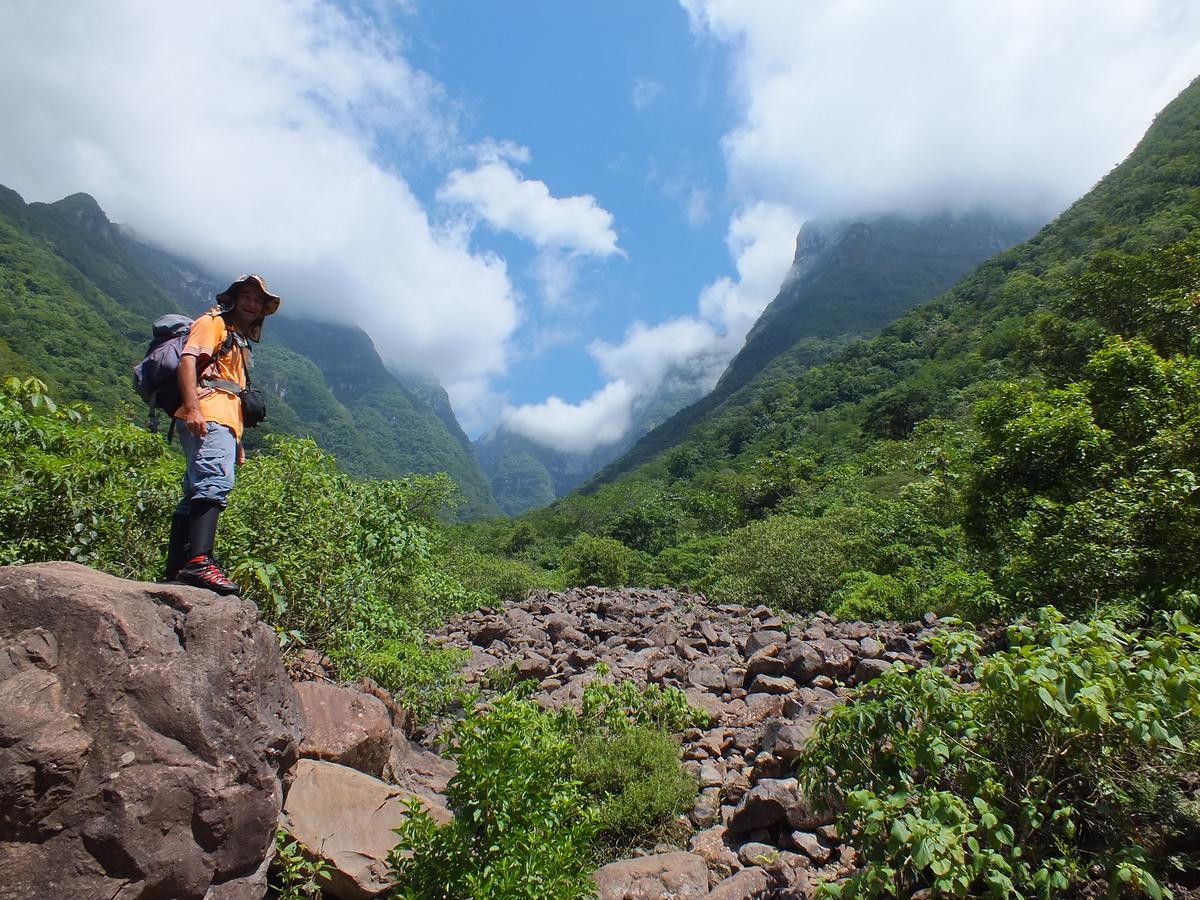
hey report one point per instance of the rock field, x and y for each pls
(764, 681)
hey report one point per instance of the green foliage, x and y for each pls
(498, 579)
(601, 561)
(74, 487)
(790, 562)
(521, 825)
(1086, 495)
(615, 708)
(639, 788)
(541, 798)
(1071, 752)
(293, 876)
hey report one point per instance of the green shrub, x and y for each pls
(601, 561)
(1072, 752)
(614, 708)
(425, 678)
(638, 786)
(77, 488)
(521, 827)
(293, 876)
(793, 563)
(497, 579)
(690, 566)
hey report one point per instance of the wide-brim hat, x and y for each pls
(227, 297)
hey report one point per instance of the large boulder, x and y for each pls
(347, 818)
(678, 875)
(345, 726)
(143, 732)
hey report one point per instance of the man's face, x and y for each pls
(248, 306)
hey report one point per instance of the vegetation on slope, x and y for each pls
(78, 294)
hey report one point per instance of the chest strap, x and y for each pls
(222, 384)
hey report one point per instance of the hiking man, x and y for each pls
(213, 371)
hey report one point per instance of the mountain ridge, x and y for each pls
(76, 286)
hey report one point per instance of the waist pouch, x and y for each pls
(254, 407)
(254, 402)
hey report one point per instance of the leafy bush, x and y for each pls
(293, 876)
(601, 561)
(639, 788)
(790, 562)
(1072, 752)
(521, 827)
(1085, 495)
(74, 487)
(497, 579)
(424, 677)
(615, 708)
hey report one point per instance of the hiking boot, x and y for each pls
(203, 571)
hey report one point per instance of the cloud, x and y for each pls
(507, 201)
(876, 106)
(600, 420)
(687, 353)
(645, 92)
(556, 275)
(249, 137)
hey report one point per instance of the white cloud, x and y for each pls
(877, 106)
(692, 350)
(645, 92)
(247, 136)
(600, 420)
(557, 276)
(508, 201)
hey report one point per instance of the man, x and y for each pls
(212, 372)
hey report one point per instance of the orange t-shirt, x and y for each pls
(207, 335)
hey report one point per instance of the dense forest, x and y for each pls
(1020, 453)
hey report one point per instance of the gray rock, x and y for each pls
(345, 726)
(754, 853)
(347, 819)
(535, 667)
(760, 639)
(748, 884)
(810, 846)
(680, 875)
(712, 846)
(870, 669)
(765, 662)
(143, 732)
(771, 684)
(765, 805)
(837, 660)
(870, 648)
(802, 661)
(707, 677)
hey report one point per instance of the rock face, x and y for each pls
(765, 682)
(679, 875)
(345, 726)
(143, 732)
(347, 818)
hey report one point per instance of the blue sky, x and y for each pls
(555, 208)
(565, 81)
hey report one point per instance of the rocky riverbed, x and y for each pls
(764, 680)
(149, 735)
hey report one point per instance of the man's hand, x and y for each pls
(241, 454)
(194, 420)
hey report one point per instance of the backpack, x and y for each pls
(156, 377)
